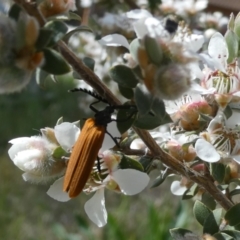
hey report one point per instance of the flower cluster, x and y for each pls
(181, 84)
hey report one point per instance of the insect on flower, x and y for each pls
(88, 144)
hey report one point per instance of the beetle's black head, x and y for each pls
(103, 117)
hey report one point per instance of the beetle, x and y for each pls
(88, 144)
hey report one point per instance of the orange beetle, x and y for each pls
(87, 146)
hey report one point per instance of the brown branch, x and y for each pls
(93, 80)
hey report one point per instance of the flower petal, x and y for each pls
(114, 40)
(217, 49)
(66, 133)
(95, 208)
(130, 181)
(177, 188)
(206, 151)
(108, 141)
(56, 191)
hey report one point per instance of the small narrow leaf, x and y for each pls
(233, 233)
(191, 192)
(41, 77)
(217, 170)
(114, 40)
(153, 49)
(58, 153)
(222, 236)
(89, 62)
(234, 192)
(126, 118)
(201, 212)
(232, 215)
(143, 99)
(232, 44)
(54, 63)
(126, 92)
(76, 30)
(127, 162)
(212, 222)
(147, 122)
(44, 38)
(208, 200)
(134, 45)
(183, 234)
(58, 28)
(124, 76)
(14, 11)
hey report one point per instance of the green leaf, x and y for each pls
(14, 11)
(58, 153)
(208, 200)
(89, 62)
(153, 50)
(126, 92)
(237, 25)
(146, 162)
(143, 99)
(125, 118)
(54, 63)
(41, 76)
(76, 75)
(124, 76)
(127, 162)
(212, 222)
(191, 192)
(59, 30)
(147, 122)
(232, 215)
(232, 44)
(160, 179)
(217, 170)
(183, 234)
(76, 30)
(201, 212)
(228, 112)
(234, 192)
(138, 72)
(233, 233)
(158, 108)
(223, 236)
(44, 38)
(133, 48)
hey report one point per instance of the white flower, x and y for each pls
(220, 76)
(206, 151)
(177, 188)
(220, 141)
(126, 181)
(183, 7)
(38, 156)
(56, 189)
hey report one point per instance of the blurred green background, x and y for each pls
(27, 213)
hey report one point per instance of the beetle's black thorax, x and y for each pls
(103, 117)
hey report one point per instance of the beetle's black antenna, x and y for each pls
(91, 93)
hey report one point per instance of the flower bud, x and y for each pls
(8, 30)
(34, 156)
(181, 152)
(190, 115)
(54, 7)
(171, 81)
(18, 56)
